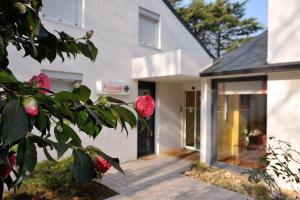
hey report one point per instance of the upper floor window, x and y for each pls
(67, 11)
(149, 28)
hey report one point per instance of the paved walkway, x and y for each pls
(161, 178)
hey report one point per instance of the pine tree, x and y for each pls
(221, 25)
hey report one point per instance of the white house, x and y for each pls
(226, 113)
(144, 47)
(254, 89)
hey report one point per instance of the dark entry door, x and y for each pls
(145, 137)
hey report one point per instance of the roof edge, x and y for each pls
(187, 27)
(270, 68)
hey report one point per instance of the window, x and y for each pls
(242, 123)
(148, 28)
(66, 11)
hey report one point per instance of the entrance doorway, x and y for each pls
(192, 119)
(145, 137)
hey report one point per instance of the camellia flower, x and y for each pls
(31, 106)
(41, 81)
(145, 105)
(101, 164)
(6, 170)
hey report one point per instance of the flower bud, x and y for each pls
(31, 106)
(101, 164)
(76, 85)
(59, 128)
(89, 34)
(19, 8)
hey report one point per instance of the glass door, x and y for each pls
(192, 119)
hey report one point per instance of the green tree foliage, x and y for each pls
(221, 25)
(21, 27)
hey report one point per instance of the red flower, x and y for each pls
(6, 170)
(145, 105)
(41, 81)
(101, 165)
(31, 106)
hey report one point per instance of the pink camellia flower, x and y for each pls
(41, 81)
(101, 164)
(145, 105)
(31, 106)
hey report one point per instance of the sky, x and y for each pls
(255, 8)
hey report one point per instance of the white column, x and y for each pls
(205, 149)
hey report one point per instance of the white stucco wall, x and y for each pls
(283, 108)
(168, 116)
(283, 31)
(171, 63)
(115, 24)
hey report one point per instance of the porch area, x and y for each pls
(161, 177)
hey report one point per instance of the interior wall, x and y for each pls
(168, 116)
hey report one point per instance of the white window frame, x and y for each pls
(81, 17)
(156, 17)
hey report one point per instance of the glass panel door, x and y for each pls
(192, 119)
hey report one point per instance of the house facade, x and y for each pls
(253, 93)
(144, 48)
(227, 113)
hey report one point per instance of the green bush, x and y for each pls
(51, 177)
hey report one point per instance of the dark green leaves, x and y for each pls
(89, 50)
(26, 157)
(14, 122)
(7, 78)
(83, 168)
(83, 93)
(66, 96)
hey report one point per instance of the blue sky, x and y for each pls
(255, 8)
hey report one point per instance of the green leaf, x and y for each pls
(83, 168)
(82, 118)
(113, 161)
(66, 96)
(60, 148)
(89, 128)
(67, 134)
(93, 50)
(83, 93)
(94, 115)
(47, 154)
(26, 157)
(72, 134)
(108, 117)
(7, 78)
(89, 50)
(60, 136)
(126, 115)
(2, 47)
(36, 4)
(42, 120)
(14, 122)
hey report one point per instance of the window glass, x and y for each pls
(148, 28)
(241, 124)
(66, 11)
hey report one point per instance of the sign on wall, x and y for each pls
(110, 87)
